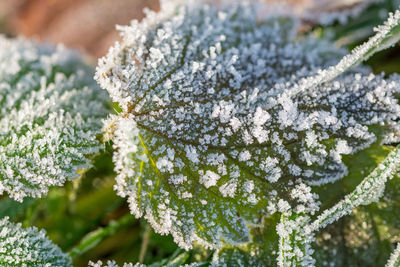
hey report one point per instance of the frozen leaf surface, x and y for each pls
(211, 137)
(50, 112)
(21, 247)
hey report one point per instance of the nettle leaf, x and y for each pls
(219, 124)
(50, 112)
(28, 247)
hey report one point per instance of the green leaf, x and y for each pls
(213, 133)
(93, 238)
(28, 247)
(50, 114)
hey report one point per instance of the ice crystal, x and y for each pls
(220, 121)
(50, 112)
(21, 247)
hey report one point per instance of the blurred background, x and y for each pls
(88, 25)
(85, 217)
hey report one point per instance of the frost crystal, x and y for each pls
(50, 112)
(21, 247)
(214, 132)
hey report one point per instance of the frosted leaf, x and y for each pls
(21, 247)
(211, 137)
(394, 258)
(50, 112)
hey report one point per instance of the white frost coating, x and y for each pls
(294, 243)
(367, 192)
(308, 201)
(20, 247)
(209, 178)
(50, 112)
(217, 118)
(394, 260)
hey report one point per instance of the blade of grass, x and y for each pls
(145, 243)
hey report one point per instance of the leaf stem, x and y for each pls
(145, 243)
(93, 238)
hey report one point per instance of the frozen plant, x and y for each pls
(225, 113)
(50, 114)
(230, 128)
(21, 247)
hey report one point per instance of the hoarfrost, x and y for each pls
(247, 112)
(28, 247)
(50, 113)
